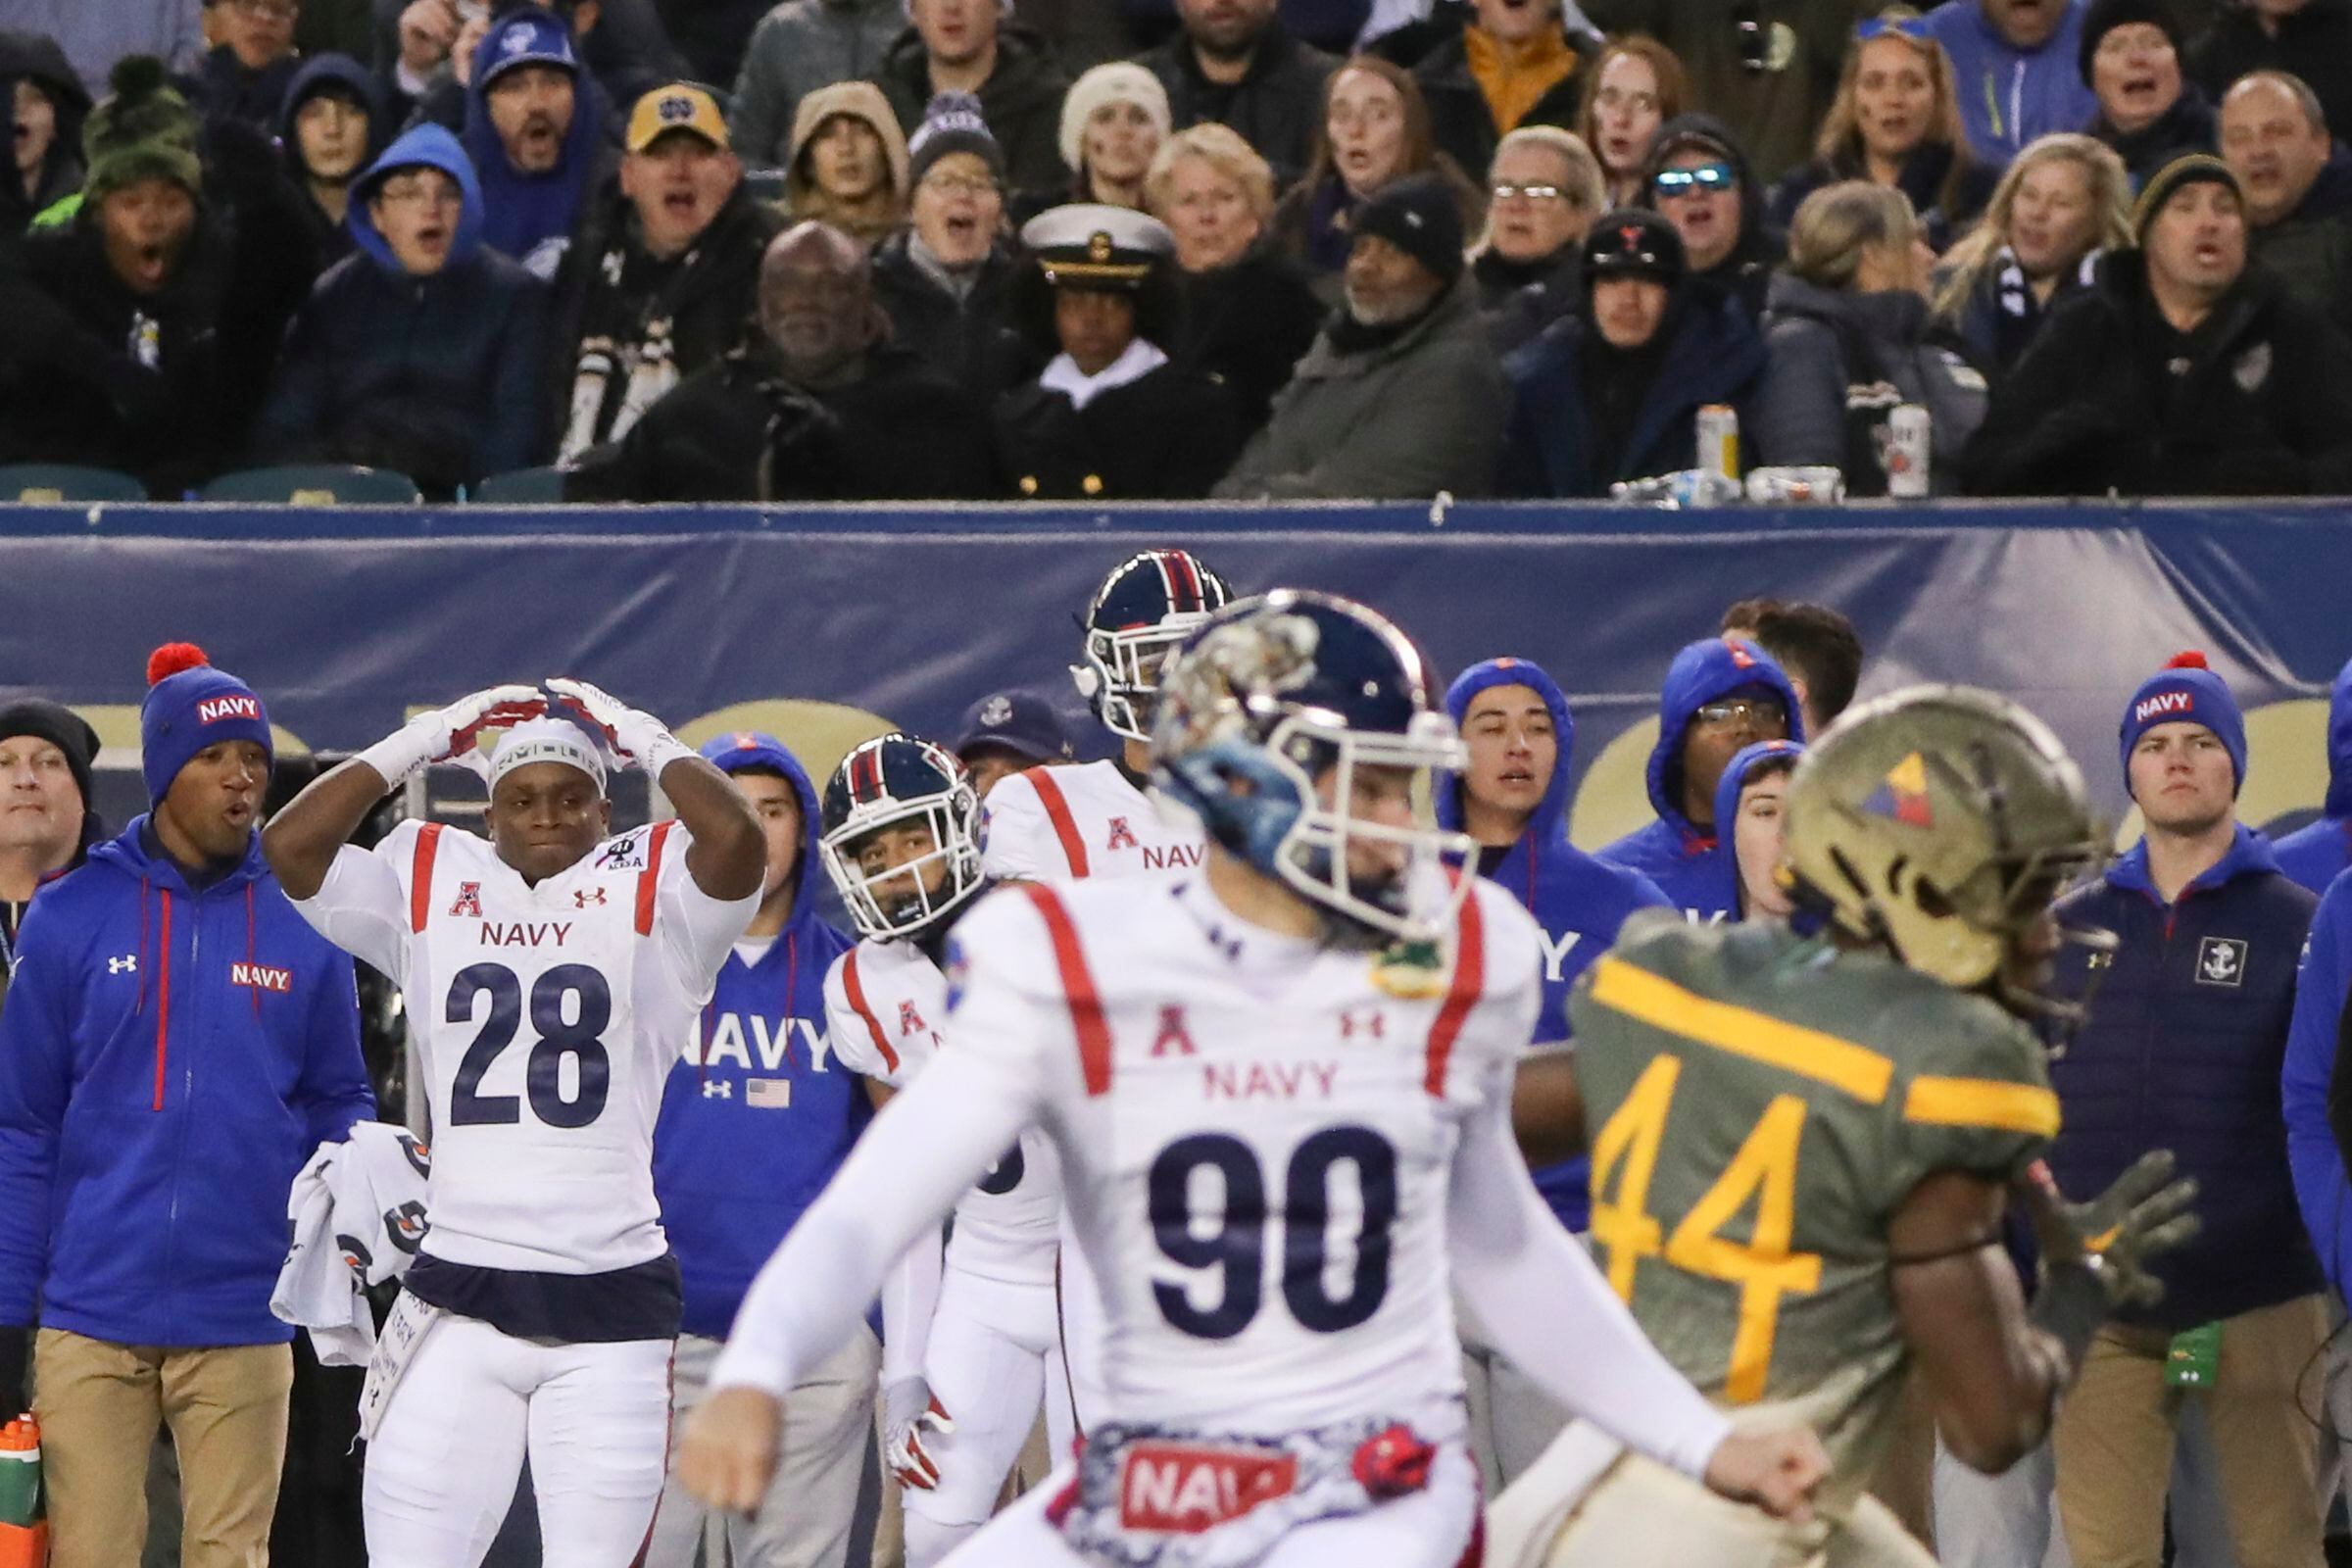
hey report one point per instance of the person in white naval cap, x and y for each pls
(1110, 419)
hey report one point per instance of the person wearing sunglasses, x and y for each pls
(1897, 120)
(1702, 183)
(1721, 694)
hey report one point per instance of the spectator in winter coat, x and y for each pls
(797, 48)
(2016, 66)
(754, 1076)
(422, 352)
(970, 46)
(849, 163)
(143, 1189)
(48, 818)
(244, 77)
(2298, 185)
(1234, 64)
(1613, 392)
(1113, 123)
(1375, 131)
(1112, 416)
(1749, 797)
(2316, 854)
(331, 127)
(2062, 204)
(1701, 182)
(622, 49)
(1506, 63)
(1847, 330)
(2313, 39)
(46, 106)
(533, 136)
(1897, 120)
(1247, 312)
(1722, 693)
(1400, 397)
(2149, 113)
(945, 280)
(2181, 372)
(1544, 191)
(818, 403)
(2183, 1052)
(663, 277)
(1636, 86)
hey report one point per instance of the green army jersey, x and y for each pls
(1759, 1104)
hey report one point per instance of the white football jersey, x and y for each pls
(545, 1020)
(1083, 821)
(1256, 1134)
(884, 1003)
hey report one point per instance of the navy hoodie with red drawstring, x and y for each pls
(170, 1057)
(757, 1116)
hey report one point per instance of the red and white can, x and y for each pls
(1907, 451)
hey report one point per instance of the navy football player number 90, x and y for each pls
(580, 1038)
(1238, 1246)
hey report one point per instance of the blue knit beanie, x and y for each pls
(190, 707)
(2187, 691)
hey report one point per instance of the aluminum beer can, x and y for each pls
(1907, 452)
(1719, 440)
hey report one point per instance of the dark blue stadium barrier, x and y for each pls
(811, 620)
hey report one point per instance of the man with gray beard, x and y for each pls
(1401, 396)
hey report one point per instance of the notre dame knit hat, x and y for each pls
(142, 130)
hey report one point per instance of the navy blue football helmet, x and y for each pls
(890, 780)
(1297, 727)
(1148, 603)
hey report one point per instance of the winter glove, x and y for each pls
(2094, 1255)
(633, 735)
(452, 732)
(909, 1411)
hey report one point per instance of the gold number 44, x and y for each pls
(1762, 1174)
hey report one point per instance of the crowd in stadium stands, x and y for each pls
(1364, 250)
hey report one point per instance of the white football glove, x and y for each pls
(909, 1411)
(634, 736)
(451, 733)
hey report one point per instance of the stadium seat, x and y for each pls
(522, 487)
(323, 484)
(39, 482)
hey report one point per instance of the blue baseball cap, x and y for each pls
(748, 748)
(1019, 721)
(526, 36)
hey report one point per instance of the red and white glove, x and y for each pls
(908, 1412)
(634, 736)
(453, 733)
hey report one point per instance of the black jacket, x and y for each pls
(1166, 436)
(36, 58)
(1923, 178)
(2186, 127)
(223, 88)
(1247, 326)
(1274, 107)
(2310, 250)
(1459, 117)
(968, 340)
(737, 432)
(1519, 300)
(2262, 404)
(1021, 101)
(2315, 43)
(707, 298)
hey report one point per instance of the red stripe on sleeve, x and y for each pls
(855, 988)
(420, 875)
(1469, 979)
(163, 1008)
(1057, 811)
(649, 880)
(1078, 986)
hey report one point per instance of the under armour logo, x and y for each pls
(128, 964)
(2222, 962)
(1371, 1020)
(718, 1088)
(584, 897)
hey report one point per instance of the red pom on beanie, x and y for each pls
(173, 658)
(2191, 658)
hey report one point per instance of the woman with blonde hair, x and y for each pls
(1897, 120)
(1249, 313)
(848, 162)
(2064, 202)
(1636, 86)
(1846, 326)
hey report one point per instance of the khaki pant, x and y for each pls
(2115, 1431)
(99, 1406)
(1643, 1515)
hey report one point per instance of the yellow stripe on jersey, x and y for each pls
(1742, 1031)
(1982, 1102)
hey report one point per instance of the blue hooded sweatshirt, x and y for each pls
(2321, 1028)
(168, 1058)
(2009, 96)
(2316, 854)
(1735, 774)
(527, 211)
(1684, 860)
(755, 1121)
(1579, 901)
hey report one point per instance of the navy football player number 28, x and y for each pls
(577, 988)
